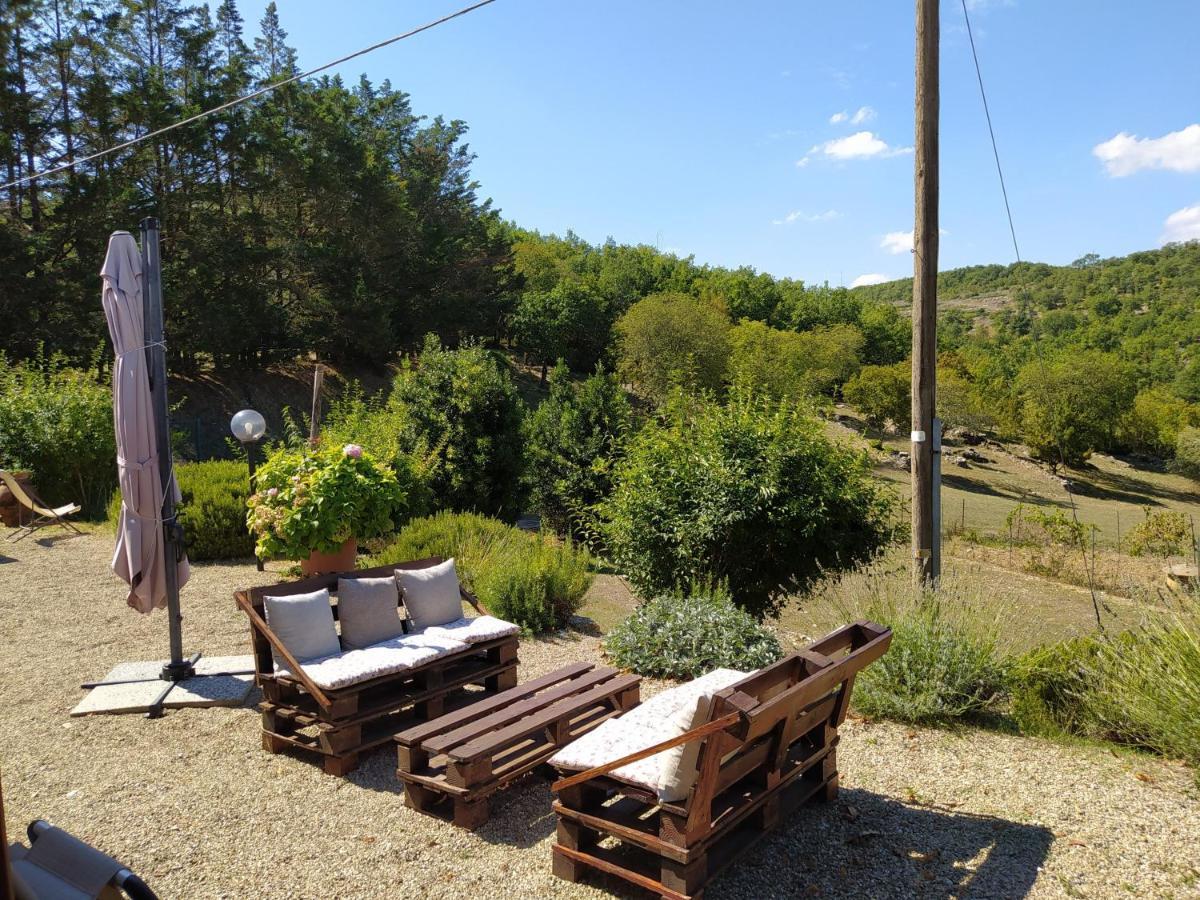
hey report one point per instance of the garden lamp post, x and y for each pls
(249, 427)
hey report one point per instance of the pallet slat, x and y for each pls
(527, 727)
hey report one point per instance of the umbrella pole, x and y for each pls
(178, 668)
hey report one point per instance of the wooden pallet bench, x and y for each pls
(463, 757)
(769, 745)
(340, 724)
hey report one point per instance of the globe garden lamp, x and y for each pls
(249, 427)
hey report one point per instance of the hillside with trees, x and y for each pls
(329, 219)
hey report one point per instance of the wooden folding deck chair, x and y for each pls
(768, 746)
(41, 515)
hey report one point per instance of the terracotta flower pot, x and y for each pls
(339, 561)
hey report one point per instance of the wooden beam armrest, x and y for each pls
(297, 670)
(694, 734)
(474, 601)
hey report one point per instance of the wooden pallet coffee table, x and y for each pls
(467, 755)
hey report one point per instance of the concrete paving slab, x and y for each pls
(138, 696)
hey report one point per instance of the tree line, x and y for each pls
(323, 216)
(330, 218)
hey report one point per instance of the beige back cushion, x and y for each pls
(431, 595)
(368, 610)
(678, 766)
(304, 623)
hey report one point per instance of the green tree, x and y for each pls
(750, 493)
(833, 354)
(566, 321)
(767, 361)
(1072, 404)
(461, 410)
(670, 339)
(1154, 421)
(1187, 453)
(881, 393)
(573, 441)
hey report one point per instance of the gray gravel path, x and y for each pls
(193, 804)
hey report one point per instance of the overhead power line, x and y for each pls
(266, 89)
(1037, 347)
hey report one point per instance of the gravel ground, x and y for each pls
(192, 803)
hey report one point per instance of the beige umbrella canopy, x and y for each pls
(139, 558)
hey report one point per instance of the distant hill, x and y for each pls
(1144, 308)
(1170, 272)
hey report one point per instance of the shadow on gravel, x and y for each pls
(870, 845)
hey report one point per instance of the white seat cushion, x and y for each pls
(473, 631)
(666, 715)
(304, 623)
(385, 658)
(369, 610)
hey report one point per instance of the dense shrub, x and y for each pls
(667, 340)
(1140, 687)
(1146, 689)
(881, 393)
(944, 662)
(462, 412)
(1187, 453)
(1050, 537)
(1162, 533)
(212, 511)
(573, 441)
(525, 578)
(378, 424)
(1051, 686)
(749, 493)
(688, 634)
(57, 423)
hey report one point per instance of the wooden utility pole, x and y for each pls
(924, 306)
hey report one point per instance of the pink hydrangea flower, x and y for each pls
(353, 451)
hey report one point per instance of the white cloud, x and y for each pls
(901, 241)
(860, 145)
(864, 114)
(897, 242)
(1178, 151)
(860, 115)
(798, 215)
(870, 278)
(1182, 225)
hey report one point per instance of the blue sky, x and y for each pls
(684, 123)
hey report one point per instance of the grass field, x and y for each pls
(1110, 494)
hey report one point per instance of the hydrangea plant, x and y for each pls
(313, 502)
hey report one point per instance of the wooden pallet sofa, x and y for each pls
(668, 811)
(340, 692)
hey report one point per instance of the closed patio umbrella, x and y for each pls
(140, 553)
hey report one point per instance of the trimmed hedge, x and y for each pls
(213, 509)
